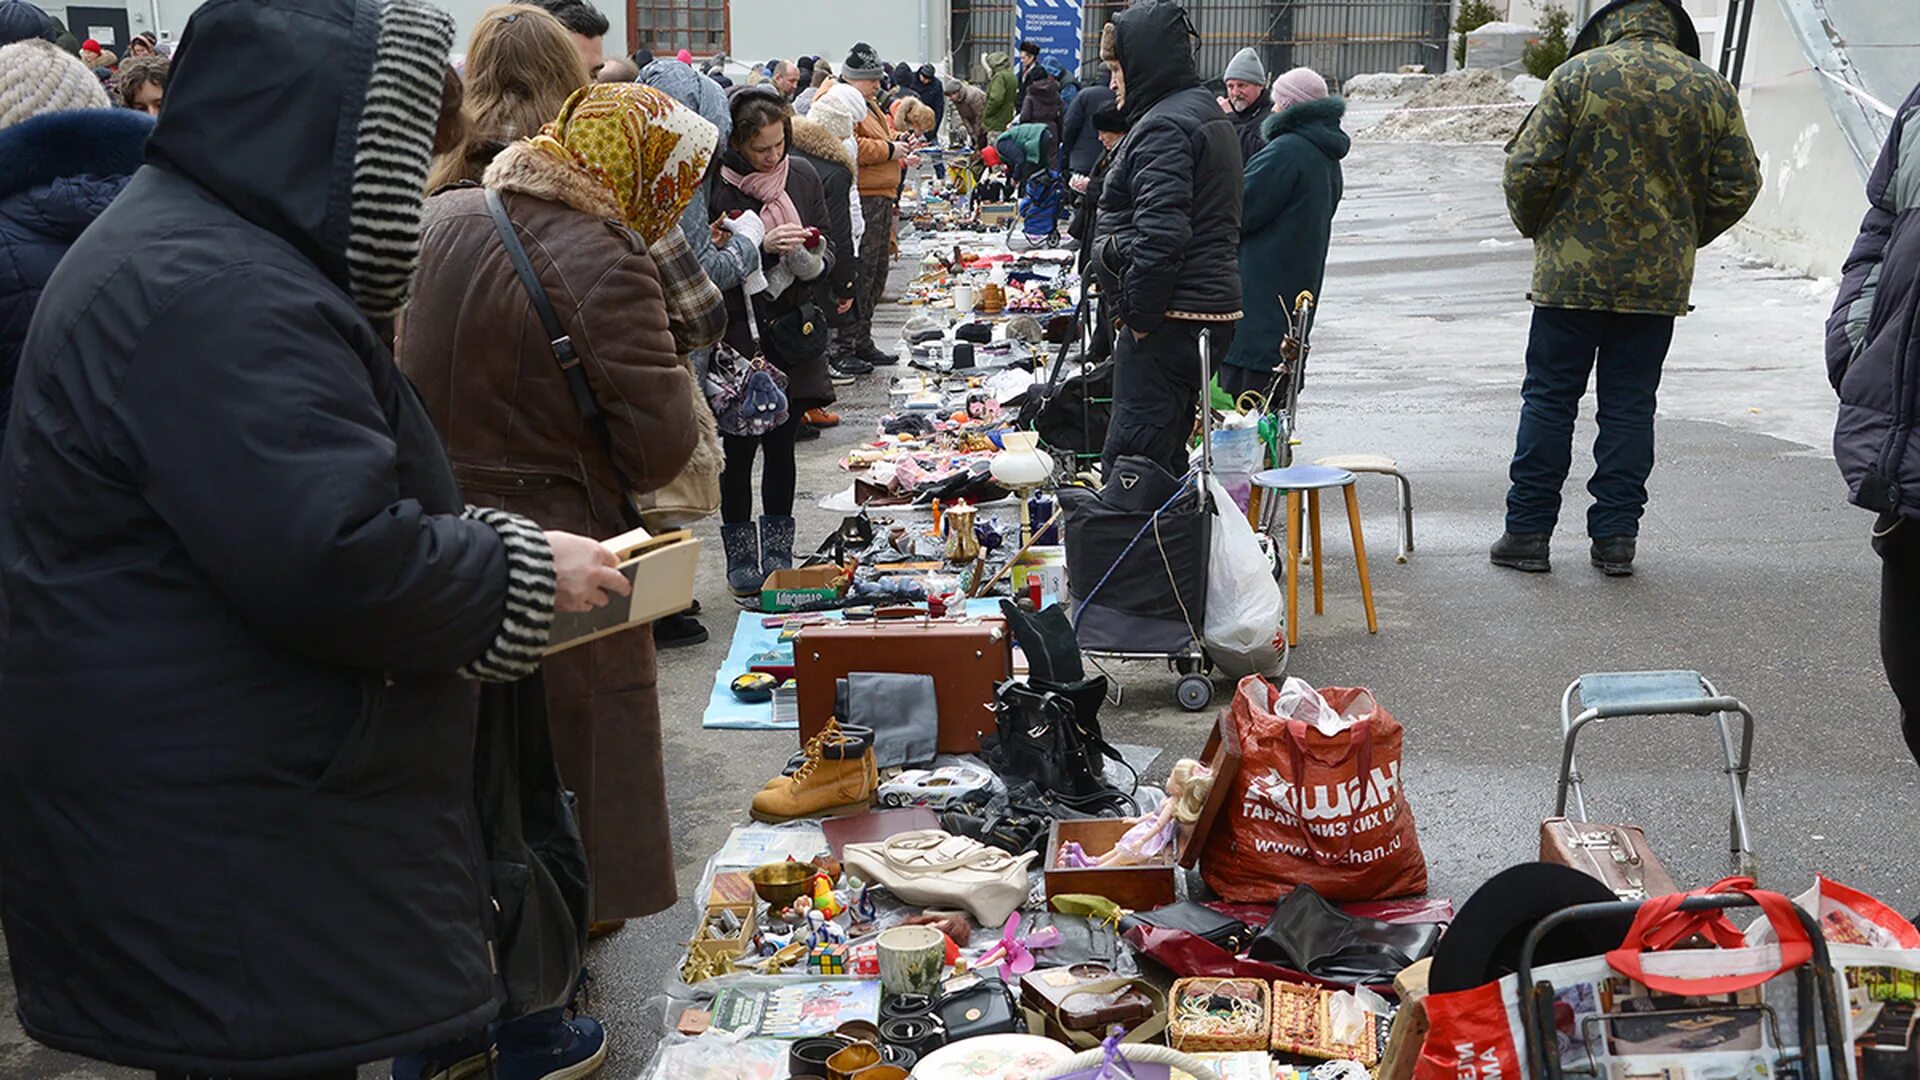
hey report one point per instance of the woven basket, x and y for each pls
(1180, 1038)
(1301, 1026)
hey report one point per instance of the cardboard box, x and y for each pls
(785, 590)
(730, 948)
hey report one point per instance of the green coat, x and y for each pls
(1636, 155)
(1294, 185)
(1003, 93)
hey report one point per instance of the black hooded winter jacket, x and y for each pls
(237, 588)
(1169, 223)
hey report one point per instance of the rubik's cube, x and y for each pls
(827, 959)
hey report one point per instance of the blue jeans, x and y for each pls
(1561, 353)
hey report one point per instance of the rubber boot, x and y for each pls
(776, 543)
(839, 777)
(742, 541)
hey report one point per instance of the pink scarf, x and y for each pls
(770, 187)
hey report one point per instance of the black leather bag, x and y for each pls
(1047, 737)
(985, 1007)
(1197, 919)
(535, 858)
(1306, 933)
(795, 335)
(1082, 940)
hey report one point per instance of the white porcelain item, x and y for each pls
(935, 869)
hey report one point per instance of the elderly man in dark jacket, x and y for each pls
(1873, 360)
(1615, 217)
(1167, 234)
(238, 827)
(1248, 102)
(1079, 138)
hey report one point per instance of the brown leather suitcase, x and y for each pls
(966, 657)
(1616, 854)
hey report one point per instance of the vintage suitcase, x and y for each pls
(1616, 854)
(966, 657)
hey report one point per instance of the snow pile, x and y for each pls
(1383, 85)
(1458, 107)
(1527, 88)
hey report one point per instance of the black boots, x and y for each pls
(1526, 552)
(1613, 555)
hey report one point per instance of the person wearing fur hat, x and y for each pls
(231, 540)
(1615, 218)
(1168, 233)
(1247, 102)
(1293, 186)
(634, 301)
(64, 155)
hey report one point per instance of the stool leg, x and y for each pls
(1360, 558)
(1253, 509)
(1406, 516)
(1293, 569)
(1313, 516)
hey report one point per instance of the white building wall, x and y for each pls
(1810, 208)
(763, 29)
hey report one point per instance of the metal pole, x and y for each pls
(926, 31)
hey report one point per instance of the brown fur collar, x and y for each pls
(528, 171)
(812, 139)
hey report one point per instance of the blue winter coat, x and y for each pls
(1293, 187)
(57, 172)
(1873, 336)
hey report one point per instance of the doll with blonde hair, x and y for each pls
(1187, 789)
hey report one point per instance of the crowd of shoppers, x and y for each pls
(284, 494)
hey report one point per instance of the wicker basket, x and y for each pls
(1301, 1026)
(1180, 1038)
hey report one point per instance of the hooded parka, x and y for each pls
(1169, 224)
(238, 590)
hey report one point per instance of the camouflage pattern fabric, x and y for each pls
(1636, 155)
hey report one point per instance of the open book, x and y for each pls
(661, 569)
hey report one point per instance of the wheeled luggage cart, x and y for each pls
(1190, 662)
(1821, 1021)
(1620, 694)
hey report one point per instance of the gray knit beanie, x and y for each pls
(862, 63)
(1246, 67)
(36, 77)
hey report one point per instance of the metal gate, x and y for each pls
(1337, 38)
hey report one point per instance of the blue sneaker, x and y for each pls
(549, 1046)
(454, 1061)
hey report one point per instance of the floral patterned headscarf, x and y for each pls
(649, 150)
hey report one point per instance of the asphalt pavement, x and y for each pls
(1753, 570)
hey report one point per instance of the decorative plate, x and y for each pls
(993, 1057)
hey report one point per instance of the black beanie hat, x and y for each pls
(21, 21)
(862, 63)
(1110, 120)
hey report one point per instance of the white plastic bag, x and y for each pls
(1244, 616)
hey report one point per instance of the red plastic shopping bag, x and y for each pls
(1317, 799)
(1470, 1036)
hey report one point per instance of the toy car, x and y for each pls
(935, 788)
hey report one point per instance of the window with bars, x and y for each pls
(667, 26)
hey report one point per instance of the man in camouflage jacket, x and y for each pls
(1636, 155)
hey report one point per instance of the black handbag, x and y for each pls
(1050, 738)
(535, 858)
(796, 335)
(1197, 919)
(1083, 940)
(985, 1007)
(1306, 933)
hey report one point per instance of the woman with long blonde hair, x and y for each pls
(520, 69)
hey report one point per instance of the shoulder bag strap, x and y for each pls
(563, 351)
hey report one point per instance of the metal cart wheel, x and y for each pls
(1195, 693)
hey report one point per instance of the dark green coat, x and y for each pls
(1636, 155)
(1293, 187)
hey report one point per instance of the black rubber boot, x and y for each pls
(1613, 555)
(1526, 552)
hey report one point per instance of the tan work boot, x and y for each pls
(808, 751)
(838, 777)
